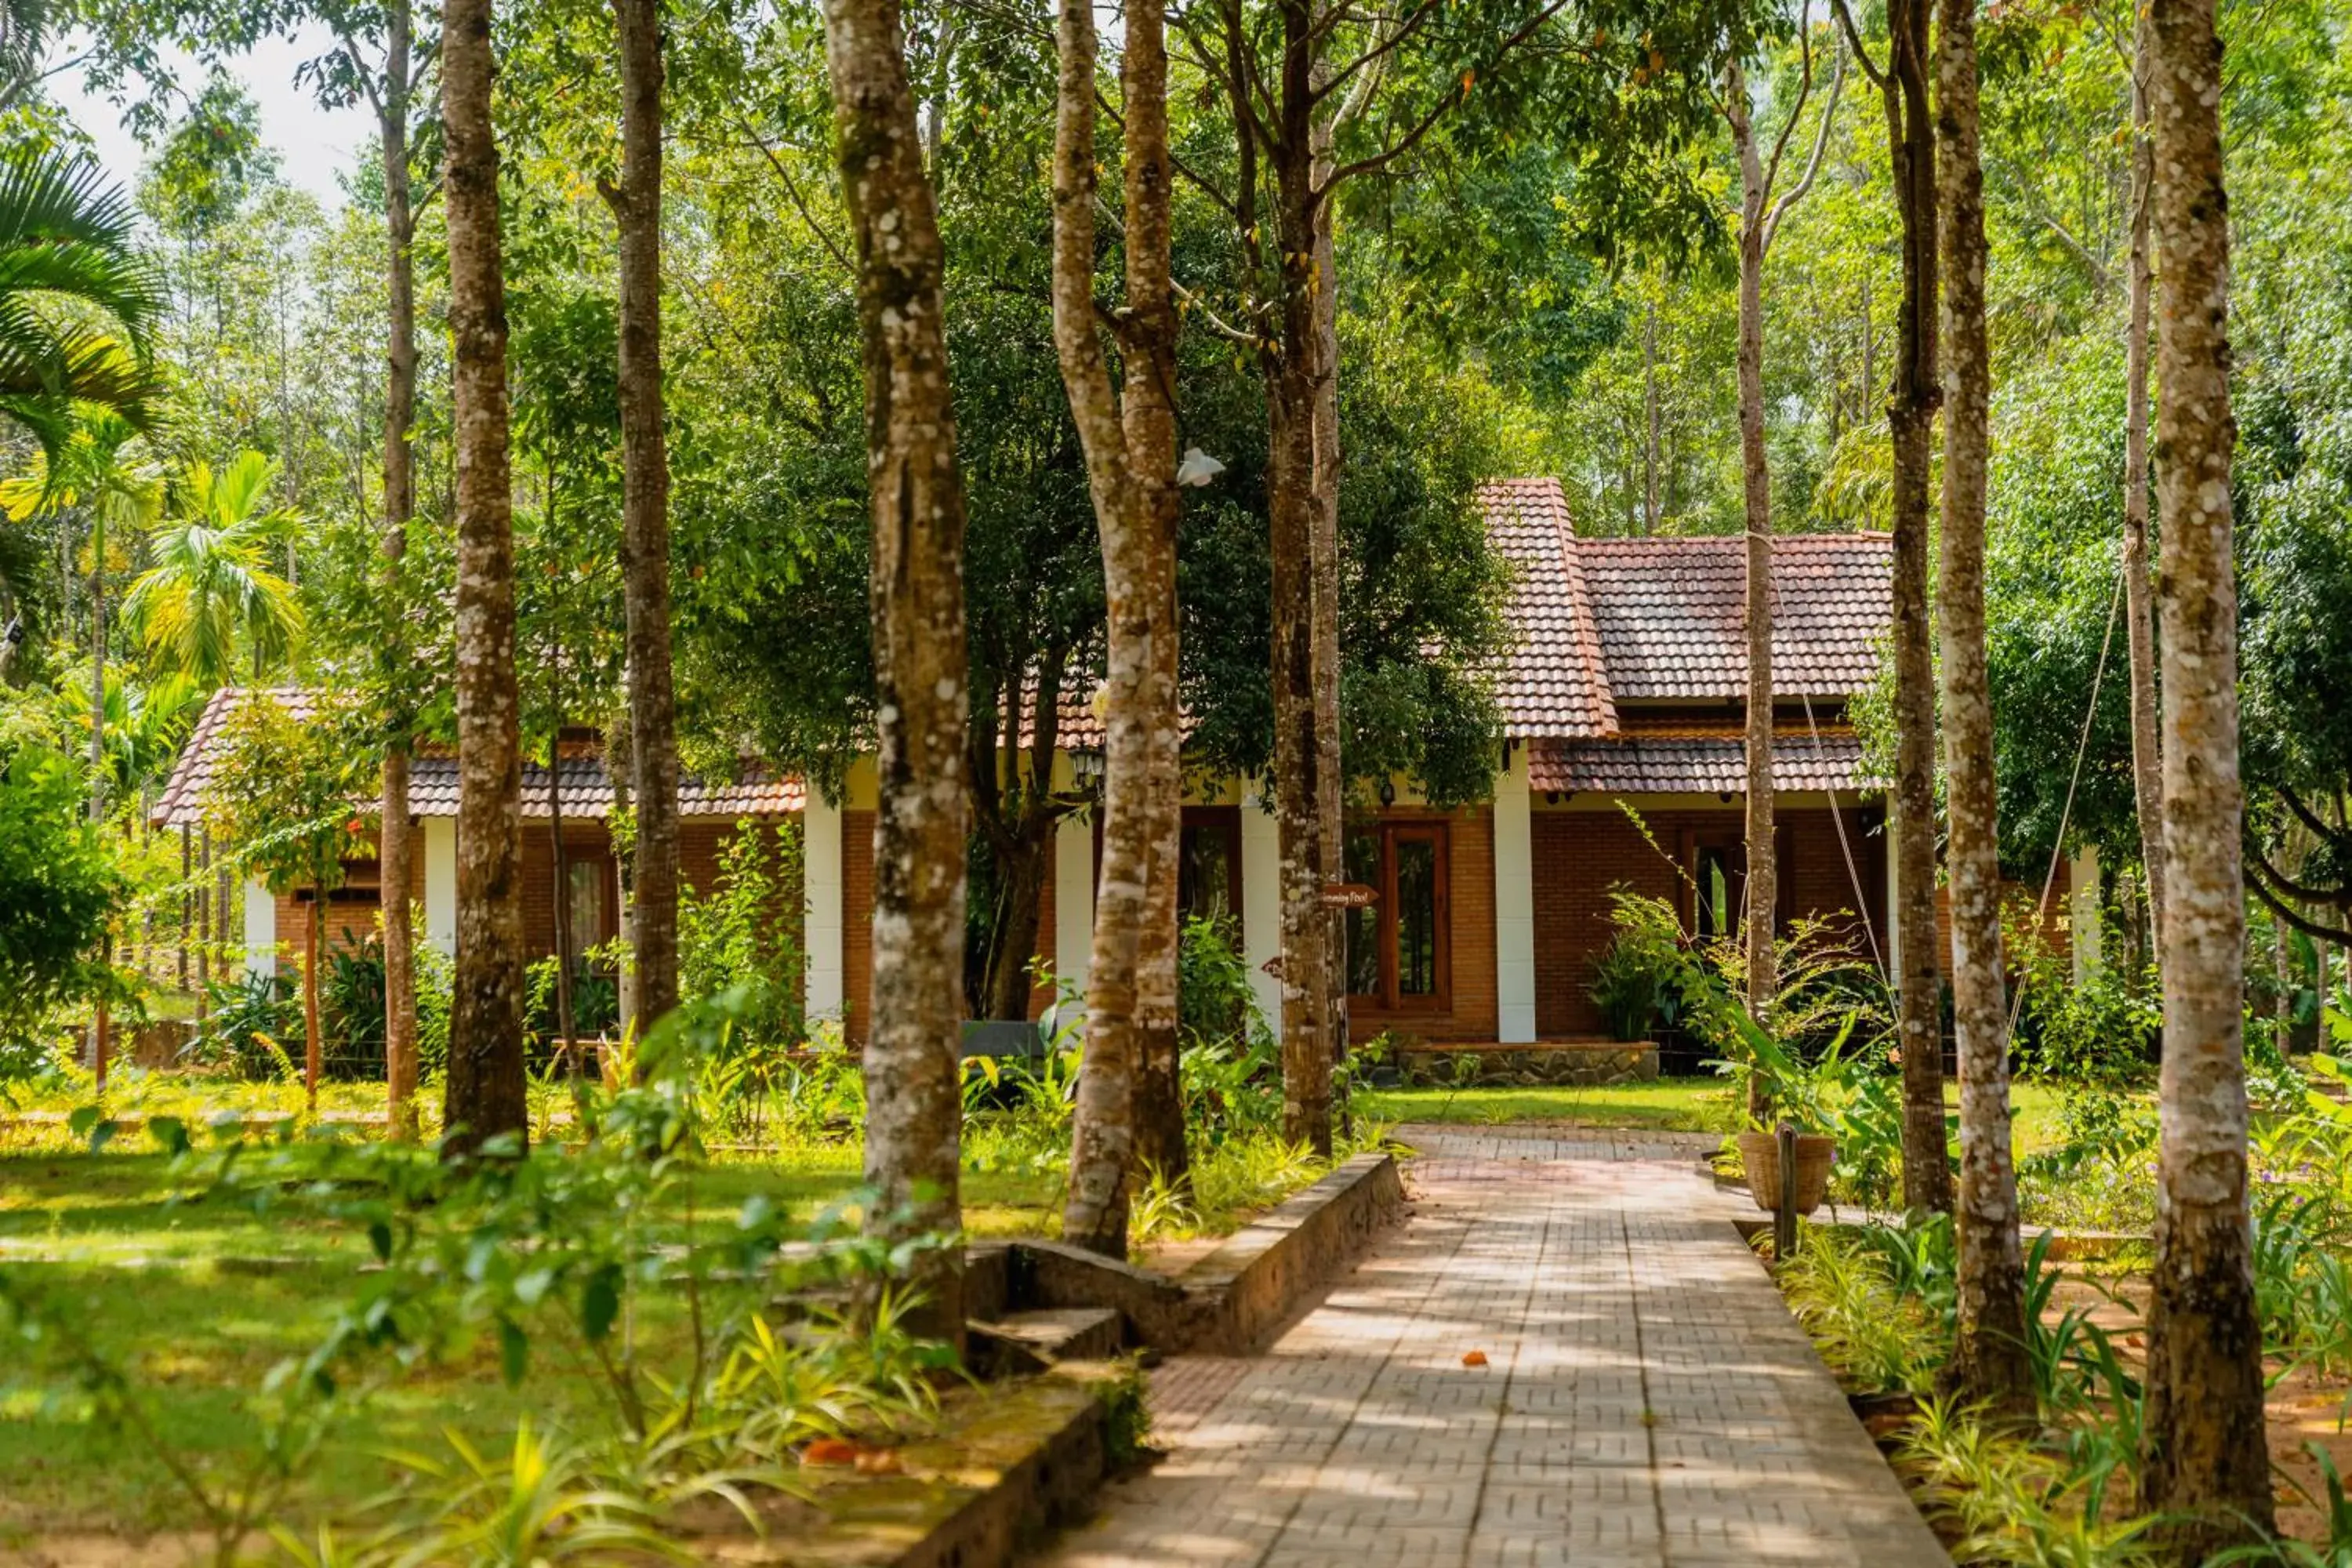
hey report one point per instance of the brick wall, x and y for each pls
(1582, 855)
(1470, 897)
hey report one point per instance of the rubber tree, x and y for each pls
(636, 202)
(1128, 435)
(2139, 584)
(1761, 218)
(1911, 404)
(914, 1104)
(485, 1096)
(1990, 1358)
(2205, 1467)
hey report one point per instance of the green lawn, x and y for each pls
(1667, 1104)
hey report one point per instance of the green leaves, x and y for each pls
(600, 1303)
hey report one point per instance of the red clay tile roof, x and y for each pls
(581, 788)
(1695, 765)
(1672, 614)
(1553, 684)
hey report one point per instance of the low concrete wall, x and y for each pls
(1587, 1063)
(1258, 1277)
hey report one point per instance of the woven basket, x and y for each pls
(1759, 1153)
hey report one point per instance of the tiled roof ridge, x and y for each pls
(1579, 609)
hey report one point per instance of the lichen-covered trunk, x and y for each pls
(644, 520)
(1131, 471)
(1324, 371)
(560, 895)
(396, 837)
(485, 1081)
(1911, 416)
(1147, 416)
(1763, 888)
(2206, 1464)
(1302, 791)
(1989, 1361)
(2139, 584)
(914, 1102)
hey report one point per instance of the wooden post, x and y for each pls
(1784, 1213)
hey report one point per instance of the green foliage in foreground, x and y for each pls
(57, 890)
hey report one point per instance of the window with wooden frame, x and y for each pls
(1715, 894)
(1209, 864)
(1400, 949)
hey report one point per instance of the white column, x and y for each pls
(1073, 907)
(1262, 904)
(821, 885)
(260, 930)
(441, 884)
(2084, 928)
(1515, 905)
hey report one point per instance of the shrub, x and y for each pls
(742, 931)
(1633, 983)
(57, 890)
(248, 1024)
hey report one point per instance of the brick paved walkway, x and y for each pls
(1646, 1399)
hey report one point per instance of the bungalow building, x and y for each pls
(1621, 763)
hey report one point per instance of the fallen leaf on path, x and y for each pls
(1473, 1358)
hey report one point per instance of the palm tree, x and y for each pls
(76, 297)
(210, 586)
(92, 470)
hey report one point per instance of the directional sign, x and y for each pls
(1350, 896)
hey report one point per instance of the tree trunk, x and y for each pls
(395, 837)
(913, 1080)
(1323, 369)
(1148, 415)
(2139, 586)
(644, 518)
(2282, 981)
(1990, 1360)
(1021, 883)
(1763, 887)
(1650, 418)
(1911, 406)
(486, 1079)
(2205, 1464)
(560, 869)
(97, 668)
(312, 930)
(1131, 471)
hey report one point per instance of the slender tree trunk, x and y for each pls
(913, 1080)
(204, 930)
(1147, 418)
(1763, 888)
(1324, 369)
(313, 929)
(560, 869)
(1911, 408)
(187, 917)
(2282, 980)
(2206, 1463)
(485, 1081)
(1990, 1360)
(2140, 586)
(1649, 410)
(619, 763)
(396, 836)
(644, 517)
(1129, 447)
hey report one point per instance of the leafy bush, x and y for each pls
(1633, 983)
(248, 1022)
(2099, 1031)
(1214, 999)
(744, 932)
(1878, 1337)
(57, 890)
(351, 1010)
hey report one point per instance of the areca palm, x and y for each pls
(210, 588)
(76, 297)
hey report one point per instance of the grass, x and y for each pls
(1669, 1104)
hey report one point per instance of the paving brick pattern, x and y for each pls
(1646, 1400)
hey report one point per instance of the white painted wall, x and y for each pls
(1262, 903)
(2087, 929)
(1515, 905)
(1073, 906)
(260, 930)
(824, 996)
(441, 883)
